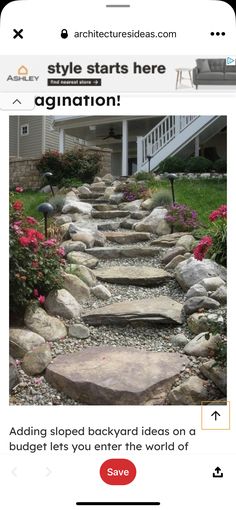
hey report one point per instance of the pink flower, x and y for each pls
(202, 248)
(18, 362)
(41, 299)
(50, 242)
(36, 292)
(24, 241)
(221, 212)
(38, 380)
(61, 251)
(19, 189)
(18, 205)
(31, 220)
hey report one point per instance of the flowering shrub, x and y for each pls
(134, 191)
(214, 244)
(35, 263)
(181, 217)
(77, 164)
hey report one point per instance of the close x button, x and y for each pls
(18, 33)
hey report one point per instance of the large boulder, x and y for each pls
(199, 303)
(36, 361)
(84, 273)
(61, 302)
(192, 271)
(187, 241)
(154, 222)
(23, 341)
(115, 375)
(196, 290)
(73, 205)
(76, 287)
(216, 373)
(73, 246)
(193, 391)
(14, 377)
(203, 344)
(86, 238)
(83, 259)
(200, 322)
(40, 322)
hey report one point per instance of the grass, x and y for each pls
(31, 199)
(201, 195)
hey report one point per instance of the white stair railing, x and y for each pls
(168, 129)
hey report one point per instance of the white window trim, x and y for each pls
(21, 129)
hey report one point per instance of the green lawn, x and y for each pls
(201, 195)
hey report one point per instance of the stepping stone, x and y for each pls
(133, 275)
(168, 240)
(160, 310)
(110, 252)
(105, 227)
(115, 375)
(107, 215)
(127, 237)
(128, 224)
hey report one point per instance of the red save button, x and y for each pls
(118, 471)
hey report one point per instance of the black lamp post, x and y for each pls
(46, 209)
(171, 178)
(48, 176)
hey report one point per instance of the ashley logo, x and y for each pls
(22, 75)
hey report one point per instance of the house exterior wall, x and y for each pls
(23, 172)
(52, 137)
(30, 146)
(13, 126)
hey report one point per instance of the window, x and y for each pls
(24, 130)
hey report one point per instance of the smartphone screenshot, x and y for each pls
(118, 166)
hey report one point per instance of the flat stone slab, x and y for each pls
(133, 275)
(127, 237)
(160, 310)
(110, 252)
(115, 376)
(107, 215)
(168, 240)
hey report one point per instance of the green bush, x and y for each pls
(78, 164)
(220, 166)
(148, 177)
(162, 197)
(198, 165)
(172, 164)
(72, 182)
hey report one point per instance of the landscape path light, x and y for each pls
(49, 176)
(46, 209)
(172, 178)
(149, 157)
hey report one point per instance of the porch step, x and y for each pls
(111, 252)
(107, 215)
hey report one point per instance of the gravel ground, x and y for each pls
(36, 391)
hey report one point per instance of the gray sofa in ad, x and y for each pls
(213, 71)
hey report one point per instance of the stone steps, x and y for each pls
(107, 215)
(110, 252)
(127, 237)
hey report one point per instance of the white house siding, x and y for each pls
(52, 138)
(13, 121)
(30, 146)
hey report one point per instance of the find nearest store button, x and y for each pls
(118, 471)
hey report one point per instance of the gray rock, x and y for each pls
(216, 373)
(107, 215)
(14, 377)
(198, 303)
(116, 198)
(203, 344)
(220, 295)
(193, 271)
(78, 331)
(114, 383)
(168, 240)
(76, 287)
(61, 220)
(193, 391)
(200, 322)
(212, 283)
(113, 225)
(131, 206)
(113, 252)
(171, 253)
(86, 238)
(174, 262)
(99, 239)
(138, 215)
(73, 246)
(160, 310)
(72, 205)
(62, 303)
(47, 189)
(36, 361)
(40, 322)
(83, 259)
(22, 341)
(179, 340)
(196, 290)
(152, 221)
(187, 241)
(84, 273)
(144, 276)
(128, 224)
(101, 292)
(84, 190)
